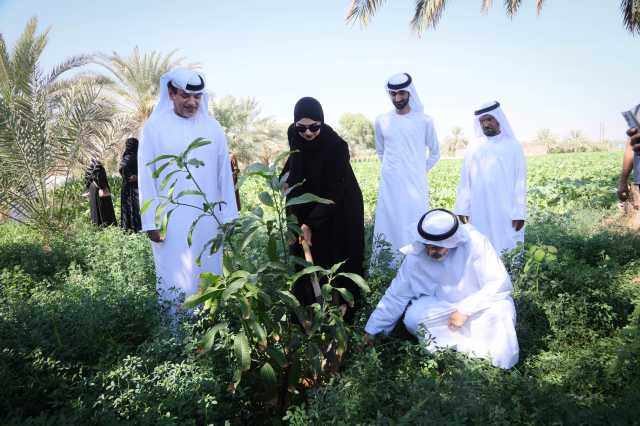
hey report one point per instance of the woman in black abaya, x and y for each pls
(335, 232)
(129, 203)
(100, 203)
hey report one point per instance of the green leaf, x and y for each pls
(146, 205)
(307, 198)
(272, 248)
(266, 198)
(197, 143)
(158, 215)
(306, 271)
(166, 179)
(210, 336)
(268, 375)
(198, 298)
(288, 298)
(160, 169)
(248, 237)
(195, 162)
(260, 334)
(357, 279)
(242, 351)
(189, 192)
(277, 356)
(281, 156)
(346, 295)
(336, 266)
(192, 227)
(160, 158)
(165, 223)
(233, 288)
(245, 308)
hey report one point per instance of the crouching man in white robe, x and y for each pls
(454, 292)
(179, 118)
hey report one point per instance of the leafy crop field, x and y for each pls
(83, 341)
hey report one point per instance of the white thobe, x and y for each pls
(493, 190)
(470, 279)
(175, 261)
(403, 195)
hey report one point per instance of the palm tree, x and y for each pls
(136, 78)
(48, 125)
(428, 12)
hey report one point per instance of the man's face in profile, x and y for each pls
(489, 124)
(185, 104)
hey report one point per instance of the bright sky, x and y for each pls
(572, 67)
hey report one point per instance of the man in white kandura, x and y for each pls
(402, 138)
(492, 193)
(179, 117)
(454, 292)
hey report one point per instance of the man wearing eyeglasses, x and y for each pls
(453, 291)
(180, 117)
(403, 137)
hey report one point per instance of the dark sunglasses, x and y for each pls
(301, 128)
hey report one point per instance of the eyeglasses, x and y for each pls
(301, 128)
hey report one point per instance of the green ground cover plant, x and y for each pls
(83, 340)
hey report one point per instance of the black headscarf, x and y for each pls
(308, 107)
(129, 162)
(314, 156)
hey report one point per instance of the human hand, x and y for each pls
(457, 320)
(132, 179)
(368, 340)
(463, 219)
(517, 224)
(634, 139)
(306, 234)
(104, 193)
(623, 191)
(155, 236)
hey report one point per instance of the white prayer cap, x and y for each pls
(190, 81)
(492, 108)
(403, 81)
(437, 227)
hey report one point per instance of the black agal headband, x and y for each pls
(438, 237)
(401, 85)
(195, 87)
(487, 109)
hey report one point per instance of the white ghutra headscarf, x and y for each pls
(437, 227)
(403, 81)
(188, 80)
(493, 109)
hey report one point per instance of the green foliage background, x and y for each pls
(83, 341)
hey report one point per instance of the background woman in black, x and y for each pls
(335, 231)
(129, 203)
(100, 203)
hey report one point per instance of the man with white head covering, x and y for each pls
(453, 290)
(492, 193)
(403, 136)
(179, 118)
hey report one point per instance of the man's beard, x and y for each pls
(490, 131)
(438, 256)
(400, 105)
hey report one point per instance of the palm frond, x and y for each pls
(512, 7)
(363, 10)
(69, 64)
(427, 14)
(631, 15)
